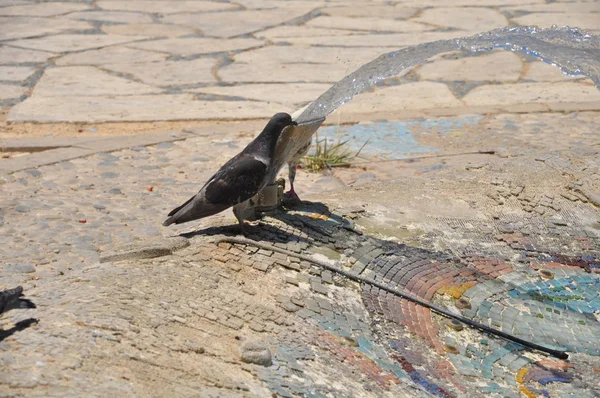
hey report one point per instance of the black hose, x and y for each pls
(486, 329)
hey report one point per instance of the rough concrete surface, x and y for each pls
(478, 190)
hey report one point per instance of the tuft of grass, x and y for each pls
(330, 155)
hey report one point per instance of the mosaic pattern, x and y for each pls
(558, 313)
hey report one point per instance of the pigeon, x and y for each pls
(238, 180)
(12, 299)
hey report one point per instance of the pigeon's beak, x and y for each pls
(294, 123)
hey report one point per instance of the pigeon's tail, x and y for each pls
(194, 209)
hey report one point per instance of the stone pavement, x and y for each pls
(478, 190)
(146, 61)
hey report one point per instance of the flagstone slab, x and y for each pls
(87, 81)
(135, 108)
(22, 27)
(165, 7)
(410, 96)
(110, 55)
(16, 73)
(195, 45)
(169, 73)
(592, 6)
(111, 16)
(293, 31)
(369, 10)
(149, 29)
(6, 3)
(270, 4)
(396, 41)
(367, 24)
(13, 55)
(464, 18)
(304, 54)
(511, 94)
(9, 91)
(543, 72)
(292, 93)
(279, 73)
(572, 19)
(235, 23)
(501, 66)
(463, 3)
(72, 42)
(43, 9)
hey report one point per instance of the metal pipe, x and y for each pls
(486, 329)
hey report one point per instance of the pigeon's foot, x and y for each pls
(291, 199)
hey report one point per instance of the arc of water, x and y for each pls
(574, 51)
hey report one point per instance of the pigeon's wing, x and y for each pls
(233, 183)
(237, 181)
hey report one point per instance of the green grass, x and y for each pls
(330, 155)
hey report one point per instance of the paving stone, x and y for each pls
(368, 24)
(289, 306)
(276, 4)
(15, 73)
(193, 45)
(509, 94)
(410, 96)
(296, 73)
(292, 281)
(319, 288)
(18, 268)
(71, 42)
(394, 12)
(292, 31)
(350, 57)
(462, 3)
(327, 277)
(148, 29)
(165, 7)
(88, 81)
(12, 28)
(547, 19)
(465, 18)
(111, 16)
(498, 66)
(12, 55)
(110, 55)
(169, 73)
(150, 249)
(261, 266)
(543, 72)
(256, 326)
(577, 7)
(11, 91)
(229, 24)
(256, 352)
(290, 93)
(392, 41)
(42, 9)
(138, 108)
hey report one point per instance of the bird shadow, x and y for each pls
(19, 326)
(296, 218)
